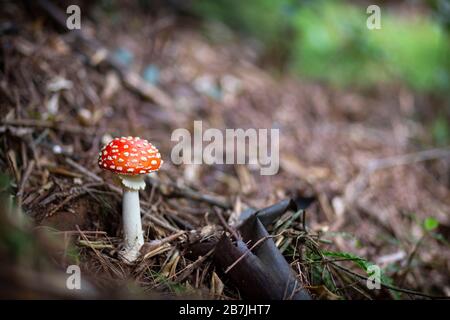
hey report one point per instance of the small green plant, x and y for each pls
(430, 224)
(172, 286)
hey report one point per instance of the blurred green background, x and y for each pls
(329, 40)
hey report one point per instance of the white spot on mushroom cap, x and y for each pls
(121, 160)
(126, 154)
(154, 162)
(143, 158)
(130, 169)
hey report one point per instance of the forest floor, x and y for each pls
(363, 156)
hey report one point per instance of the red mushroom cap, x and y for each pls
(130, 156)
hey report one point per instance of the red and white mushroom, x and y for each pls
(131, 158)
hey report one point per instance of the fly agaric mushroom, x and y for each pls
(131, 158)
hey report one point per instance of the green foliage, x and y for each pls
(329, 40)
(441, 131)
(416, 49)
(332, 45)
(175, 287)
(17, 242)
(263, 19)
(358, 261)
(5, 183)
(362, 264)
(319, 274)
(335, 45)
(430, 224)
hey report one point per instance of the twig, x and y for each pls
(12, 161)
(71, 232)
(102, 260)
(226, 225)
(170, 238)
(95, 244)
(407, 291)
(62, 171)
(155, 245)
(410, 158)
(159, 222)
(157, 251)
(173, 189)
(25, 177)
(185, 272)
(64, 202)
(91, 175)
(47, 124)
(304, 221)
(83, 170)
(410, 258)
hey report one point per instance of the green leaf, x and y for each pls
(360, 262)
(363, 264)
(430, 224)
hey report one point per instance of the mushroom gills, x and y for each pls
(135, 182)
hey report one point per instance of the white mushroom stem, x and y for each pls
(132, 227)
(131, 215)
